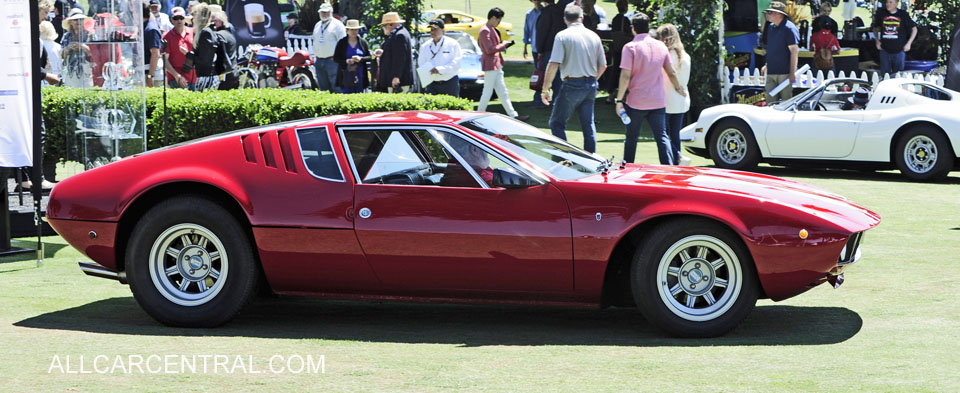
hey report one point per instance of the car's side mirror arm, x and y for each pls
(505, 178)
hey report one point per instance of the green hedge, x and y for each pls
(191, 115)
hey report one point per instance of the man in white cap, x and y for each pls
(161, 19)
(326, 34)
(179, 43)
(440, 57)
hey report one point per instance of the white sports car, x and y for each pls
(908, 124)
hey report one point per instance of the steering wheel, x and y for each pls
(820, 107)
(566, 163)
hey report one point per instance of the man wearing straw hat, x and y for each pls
(782, 49)
(326, 34)
(395, 73)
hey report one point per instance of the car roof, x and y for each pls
(432, 117)
(450, 12)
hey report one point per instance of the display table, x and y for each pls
(847, 60)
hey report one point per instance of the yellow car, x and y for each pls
(460, 21)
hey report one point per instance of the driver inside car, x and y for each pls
(859, 100)
(456, 175)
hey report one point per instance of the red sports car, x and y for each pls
(448, 206)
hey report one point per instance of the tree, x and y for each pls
(698, 22)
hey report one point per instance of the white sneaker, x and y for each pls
(684, 161)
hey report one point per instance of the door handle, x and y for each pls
(364, 213)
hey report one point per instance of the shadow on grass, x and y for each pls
(49, 250)
(299, 318)
(849, 174)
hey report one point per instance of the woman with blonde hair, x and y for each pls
(48, 34)
(677, 105)
(205, 48)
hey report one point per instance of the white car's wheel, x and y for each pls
(732, 145)
(923, 153)
(693, 277)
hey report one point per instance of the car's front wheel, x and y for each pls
(693, 277)
(923, 154)
(732, 146)
(190, 263)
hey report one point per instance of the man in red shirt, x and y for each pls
(179, 43)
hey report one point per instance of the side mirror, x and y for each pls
(507, 178)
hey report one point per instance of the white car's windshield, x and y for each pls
(552, 155)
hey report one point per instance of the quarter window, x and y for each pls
(317, 154)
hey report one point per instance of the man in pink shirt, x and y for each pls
(643, 63)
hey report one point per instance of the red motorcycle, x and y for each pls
(269, 66)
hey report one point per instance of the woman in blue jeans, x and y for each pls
(677, 105)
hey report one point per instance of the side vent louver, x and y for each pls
(269, 146)
(248, 149)
(286, 150)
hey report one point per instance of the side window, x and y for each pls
(378, 155)
(479, 161)
(420, 157)
(927, 91)
(318, 155)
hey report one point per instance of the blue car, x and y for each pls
(471, 73)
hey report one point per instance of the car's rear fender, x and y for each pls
(923, 121)
(153, 195)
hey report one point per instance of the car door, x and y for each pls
(817, 128)
(424, 235)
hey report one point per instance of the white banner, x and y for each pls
(16, 94)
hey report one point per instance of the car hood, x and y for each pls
(762, 188)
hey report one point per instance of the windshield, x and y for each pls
(550, 154)
(426, 17)
(784, 105)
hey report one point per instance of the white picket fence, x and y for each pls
(738, 77)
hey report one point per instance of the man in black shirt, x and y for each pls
(151, 46)
(891, 26)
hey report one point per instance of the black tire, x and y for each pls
(739, 148)
(224, 263)
(662, 280)
(246, 79)
(923, 153)
(303, 76)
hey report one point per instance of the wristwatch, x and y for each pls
(618, 100)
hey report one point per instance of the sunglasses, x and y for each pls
(177, 18)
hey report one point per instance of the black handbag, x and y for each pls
(187, 63)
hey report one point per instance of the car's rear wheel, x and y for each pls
(190, 263)
(923, 154)
(693, 277)
(732, 145)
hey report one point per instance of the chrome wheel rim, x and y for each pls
(920, 154)
(700, 278)
(188, 264)
(732, 146)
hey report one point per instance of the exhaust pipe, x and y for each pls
(835, 280)
(97, 270)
